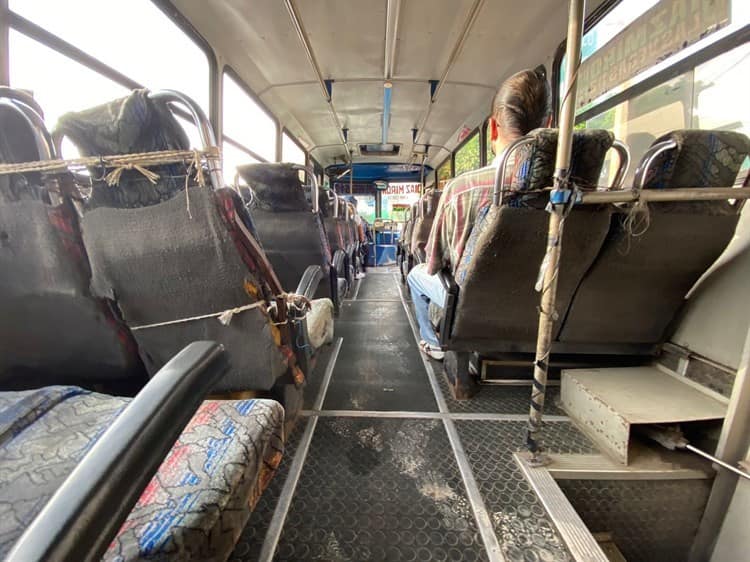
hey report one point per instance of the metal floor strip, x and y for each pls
(576, 536)
(425, 415)
(484, 523)
(285, 498)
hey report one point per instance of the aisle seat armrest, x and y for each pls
(449, 306)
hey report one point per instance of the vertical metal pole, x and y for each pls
(351, 175)
(554, 238)
(4, 44)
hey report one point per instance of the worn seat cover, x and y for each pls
(498, 305)
(639, 281)
(166, 253)
(292, 235)
(195, 506)
(51, 328)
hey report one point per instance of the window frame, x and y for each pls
(231, 72)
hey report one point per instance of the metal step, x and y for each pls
(607, 403)
(573, 531)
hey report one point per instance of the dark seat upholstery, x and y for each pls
(646, 267)
(425, 216)
(194, 507)
(497, 301)
(292, 233)
(51, 328)
(166, 253)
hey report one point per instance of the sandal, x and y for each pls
(434, 352)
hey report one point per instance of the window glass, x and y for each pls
(58, 83)
(467, 157)
(366, 207)
(135, 37)
(720, 92)
(246, 122)
(625, 13)
(444, 174)
(290, 152)
(489, 155)
(231, 158)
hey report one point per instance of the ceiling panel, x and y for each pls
(427, 32)
(348, 37)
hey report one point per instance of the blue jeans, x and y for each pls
(425, 288)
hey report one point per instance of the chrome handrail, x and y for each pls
(205, 130)
(623, 152)
(313, 185)
(641, 172)
(499, 191)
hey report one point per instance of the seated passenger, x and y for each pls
(521, 104)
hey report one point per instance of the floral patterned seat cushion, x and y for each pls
(194, 507)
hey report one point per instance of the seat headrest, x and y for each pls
(276, 187)
(536, 168)
(700, 159)
(129, 125)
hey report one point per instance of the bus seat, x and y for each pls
(639, 281)
(290, 227)
(500, 265)
(52, 330)
(329, 210)
(426, 209)
(404, 256)
(196, 504)
(166, 253)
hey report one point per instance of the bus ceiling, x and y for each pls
(431, 66)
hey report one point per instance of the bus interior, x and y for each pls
(212, 213)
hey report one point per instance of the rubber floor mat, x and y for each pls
(380, 489)
(520, 521)
(379, 366)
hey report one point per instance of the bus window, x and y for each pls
(252, 131)
(366, 207)
(27, 57)
(720, 92)
(291, 151)
(444, 173)
(489, 155)
(467, 157)
(135, 38)
(233, 156)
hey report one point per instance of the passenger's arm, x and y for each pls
(85, 514)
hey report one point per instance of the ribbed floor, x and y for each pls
(393, 470)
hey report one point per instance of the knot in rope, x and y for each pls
(113, 177)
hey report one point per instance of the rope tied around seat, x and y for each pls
(113, 177)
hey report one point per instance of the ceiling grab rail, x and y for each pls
(205, 131)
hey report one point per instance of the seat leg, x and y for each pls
(462, 383)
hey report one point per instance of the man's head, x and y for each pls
(522, 104)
